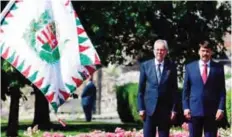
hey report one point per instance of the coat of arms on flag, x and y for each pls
(45, 41)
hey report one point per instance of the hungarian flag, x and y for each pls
(45, 41)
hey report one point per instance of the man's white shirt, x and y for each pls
(201, 66)
(161, 65)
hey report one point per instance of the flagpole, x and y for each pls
(6, 9)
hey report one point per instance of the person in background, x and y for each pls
(88, 99)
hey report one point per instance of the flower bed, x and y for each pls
(119, 132)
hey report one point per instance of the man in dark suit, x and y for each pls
(157, 92)
(203, 94)
(88, 99)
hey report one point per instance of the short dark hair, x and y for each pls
(205, 44)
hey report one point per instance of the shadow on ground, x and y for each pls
(81, 126)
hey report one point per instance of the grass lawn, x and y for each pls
(73, 127)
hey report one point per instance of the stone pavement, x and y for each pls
(107, 117)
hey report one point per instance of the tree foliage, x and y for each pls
(119, 28)
(12, 76)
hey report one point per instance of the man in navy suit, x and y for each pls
(157, 92)
(203, 96)
(88, 98)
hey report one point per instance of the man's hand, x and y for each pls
(173, 115)
(142, 114)
(187, 114)
(219, 115)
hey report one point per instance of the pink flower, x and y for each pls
(128, 134)
(180, 134)
(110, 134)
(120, 134)
(118, 130)
(185, 126)
(47, 134)
(57, 135)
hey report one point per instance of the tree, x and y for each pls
(130, 28)
(41, 114)
(12, 128)
(4, 85)
(13, 81)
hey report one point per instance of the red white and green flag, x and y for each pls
(45, 41)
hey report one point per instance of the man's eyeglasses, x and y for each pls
(161, 50)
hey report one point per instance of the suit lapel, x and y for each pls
(153, 67)
(165, 72)
(211, 71)
(198, 72)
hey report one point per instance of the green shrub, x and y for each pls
(228, 105)
(127, 102)
(227, 76)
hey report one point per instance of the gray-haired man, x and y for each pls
(157, 92)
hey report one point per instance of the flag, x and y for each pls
(46, 42)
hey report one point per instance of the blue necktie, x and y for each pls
(159, 73)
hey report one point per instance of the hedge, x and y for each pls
(127, 105)
(127, 102)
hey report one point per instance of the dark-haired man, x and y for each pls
(204, 93)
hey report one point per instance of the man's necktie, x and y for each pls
(159, 73)
(204, 74)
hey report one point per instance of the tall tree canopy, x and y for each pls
(119, 28)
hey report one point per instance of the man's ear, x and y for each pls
(199, 52)
(211, 52)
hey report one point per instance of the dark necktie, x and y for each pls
(159, 72)
(204, 74)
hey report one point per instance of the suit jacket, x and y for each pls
(151, 94)
(204, 99)
(88, 95)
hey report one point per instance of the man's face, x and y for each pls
(160, 52)
(205, 54)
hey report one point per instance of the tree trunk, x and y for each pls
(4, 85)
(99, 91)
(12, 129)
(41, 114)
